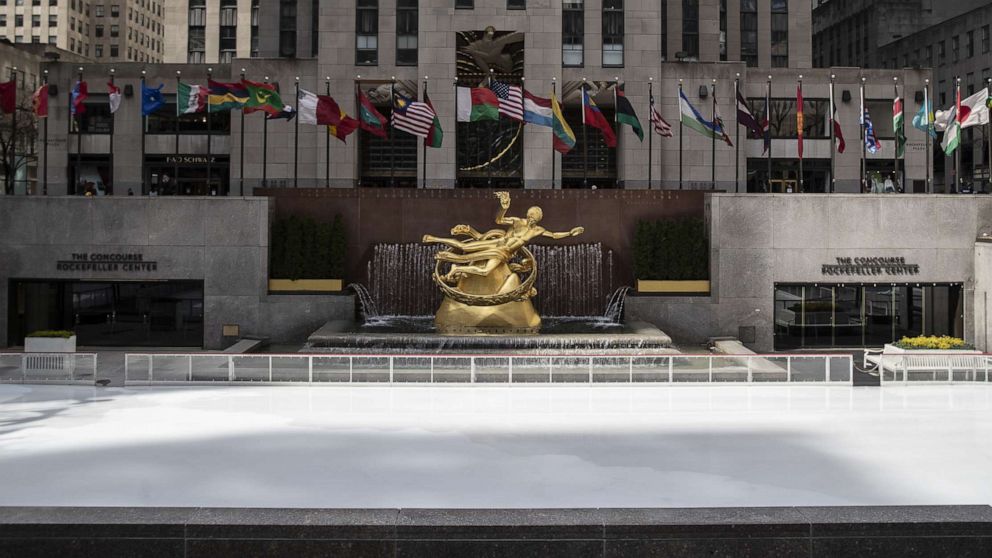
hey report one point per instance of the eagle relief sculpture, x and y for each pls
(482, 285)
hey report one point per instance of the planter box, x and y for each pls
(890, 349)
(304, 285)
(673, 287)
(50, 344)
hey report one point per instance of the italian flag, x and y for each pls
(477, 103)
(191, 99)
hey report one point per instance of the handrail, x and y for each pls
(49, 368)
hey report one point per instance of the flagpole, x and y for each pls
(144, 122)
(241, 180)
(833, 138)
(210, 130)
(392, 108)
(296, 139)
(553, 93)
(585, 142)
(801, 133)
(265, 146)
(737, 154)
(44, 147)
(895, 133)
(680, 133)
(768, 123)
(864, 162)
(455, 81)
(926, 110)
(651, 131)
(489, 165)
(79, 135)
(425, 139)
(616, 127)
(12, 179)
(358, 104)
(713, 138)
(988, 138)
(175, 166)
(957, 152)
(113, 126)
(327, 145)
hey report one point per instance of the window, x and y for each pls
(3, 20)
(98, 10)
(96, 118)
(197, 13)
(98, 30)
(928, 61)
(612, 32)
(690, 29)
(254, 28)
(516, 4)
(19, 20)
(114, 51)
(782, 120)
(406, 32)
(115, 10)
(367, 33)
(664, 30)
(970, 45)
(197, 48)
(115, 30)
(465, 4)
(749, 32)
(941, 52)
(572, 32)
(985, 39)
(36, 20)
(955, 49)
(98, 50)
(53, 20)
(287, 28)
(723, 30)
(228, 31)
(780, 33)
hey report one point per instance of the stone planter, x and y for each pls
(890, 349)
(304, 285)
(50, 344)
(682, 288)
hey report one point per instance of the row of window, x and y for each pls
(33, 2)
(228, 31)
(956, 56)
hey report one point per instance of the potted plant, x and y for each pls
(671, 256)
(306, 256)
(50, 341)
(932, 344)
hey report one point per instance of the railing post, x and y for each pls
(270, 370)
(590, 370)
(151, 368)
(351, 369)
(630, 369)
(750, 371)
(671, 369)
(510, 379)
(24, 369)
(788, 369)
(471, 365)
(125, 367)
(551, 367)
(189, 369)
(709, 365)
(230, 368)
(72, 370)
(310, 370)
(432, 370)
(826, 369)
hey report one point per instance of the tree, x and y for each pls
(26, 138)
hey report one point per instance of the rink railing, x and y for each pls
(48, 368)
(930, 368)
(209, 368)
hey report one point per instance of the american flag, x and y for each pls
(412, 117)
(661, 127)
(511, 99)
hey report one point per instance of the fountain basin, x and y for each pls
(405, 334)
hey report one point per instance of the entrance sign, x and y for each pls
(81, 261)
(871, 266)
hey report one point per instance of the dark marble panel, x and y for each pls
(93, 522)
(500, 549)
(199, 548)
(91, 548)
(500, 524)
(711, 548)
(899, 520)
(903, 547)
(704, 523)
(346, 524)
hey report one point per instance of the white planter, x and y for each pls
(890, 349)
(50, 344)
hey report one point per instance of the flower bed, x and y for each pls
(933, 343)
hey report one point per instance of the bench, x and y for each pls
(974, 365)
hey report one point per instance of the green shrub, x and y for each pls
(302, 248)
(932, 342)
(671, 249)
(52, 333)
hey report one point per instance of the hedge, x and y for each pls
(302, 248)
(671, 249)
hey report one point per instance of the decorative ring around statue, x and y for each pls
(523, 292)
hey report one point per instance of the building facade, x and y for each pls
(102, 30)
(212, 31)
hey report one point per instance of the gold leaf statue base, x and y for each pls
(512, 318)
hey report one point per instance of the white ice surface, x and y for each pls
(495, 446)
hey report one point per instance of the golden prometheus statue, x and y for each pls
(483, 289)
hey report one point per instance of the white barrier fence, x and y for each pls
(204, 368)
(48, 368)
(930, 368)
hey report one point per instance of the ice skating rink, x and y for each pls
(504, 447)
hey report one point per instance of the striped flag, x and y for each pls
(745, 118)
(660, 125)
(511, 99)
(412, 117)
(537, 110)
(871, 141)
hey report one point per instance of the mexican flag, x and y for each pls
(191, 99)
(898, 124)
(435, 136)
(477, 103)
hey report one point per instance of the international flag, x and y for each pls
(342, 125)
(226, 96)
(8, 97)
(660, 125)
(436, 135)
(511, 99)
(841, 144)
(898, 125)
(77, 96)
(476, 103)
(537, 110)
(592, 116)
(412, 117)
(690, 117)
(800, 120)
(564, 138)
(871, 141)
(151, 99)
(966, 113)
(923, 121)
(625, 112)
(287, 113)
(113, 97)
(369, 118)
(745, 118)
(718, 120)
(190, 99)
(39, 101)
(318, 110)
(262, 97)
